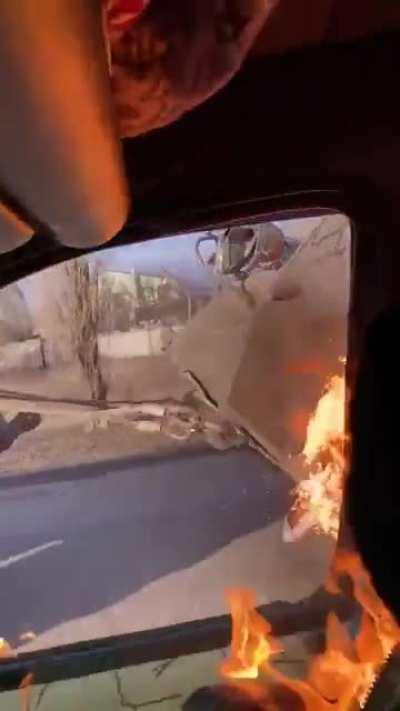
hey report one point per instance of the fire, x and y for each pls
(387, 629)
(341, 676)
(252, 643)
(5, 649)
(327, 423)
(318, 498)
(25, 686)
(25, 689)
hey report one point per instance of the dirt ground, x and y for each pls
(65, 436)
(133, 379)
(56, 445)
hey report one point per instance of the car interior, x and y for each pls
(197, 288)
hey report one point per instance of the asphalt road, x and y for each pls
(75, 541)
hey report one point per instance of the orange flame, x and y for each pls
(327, 423)
(318, 498)
(5, 649)
(252, 644)
(25, 689)
(338, 679)
(341, 676)
(386, 628)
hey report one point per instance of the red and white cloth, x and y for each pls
(166, 62)
(122, 13)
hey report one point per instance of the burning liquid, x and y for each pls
(318, 498)
(338, 679)
(251, 638)
(25, 689)
(327, 423)
(5, 649)
(341, 677)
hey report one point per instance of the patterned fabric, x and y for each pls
(168, 56)
(122, 13)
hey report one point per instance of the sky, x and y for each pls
(169, 256)
(175, 256)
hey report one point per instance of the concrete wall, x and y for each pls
(26, 354)
(135, 343)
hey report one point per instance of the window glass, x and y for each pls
(156, 429)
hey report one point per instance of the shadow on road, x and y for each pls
(90, 470)
(21, 423)
(123, 525)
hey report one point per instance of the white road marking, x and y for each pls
(28, 554)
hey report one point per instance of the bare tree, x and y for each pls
(86, 315)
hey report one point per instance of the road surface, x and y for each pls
(141, 538)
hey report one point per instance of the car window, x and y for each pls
(160, 435)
